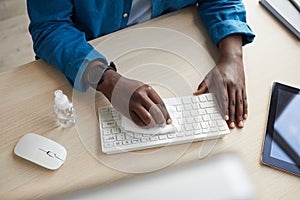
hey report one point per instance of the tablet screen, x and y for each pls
(283, 121)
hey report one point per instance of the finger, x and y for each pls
(232, 106)
(144, 115)
(154, 111)
(160, 104)
(239, 109)
(224, 105)
(245, 105)
(137, 120)
(202, 88)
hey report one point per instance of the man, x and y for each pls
(60, 31)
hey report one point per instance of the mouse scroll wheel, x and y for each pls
(51, 154)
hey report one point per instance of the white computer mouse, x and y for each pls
(41, 150)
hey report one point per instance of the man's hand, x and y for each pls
(227, 82)
(134, 99)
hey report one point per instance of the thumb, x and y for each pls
(202, 88)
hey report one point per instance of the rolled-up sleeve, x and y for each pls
(223, 18)
(57, 41)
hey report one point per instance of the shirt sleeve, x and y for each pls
(223, 18)
(57, 41)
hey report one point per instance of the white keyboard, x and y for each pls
(198, 118)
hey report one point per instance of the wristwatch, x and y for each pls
(96, 73)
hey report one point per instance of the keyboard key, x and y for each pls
(203, 98)
(109, 145)
(194, 112)
(154, 138)
(135, 141)
(111, 138)
(145, 140)
(180, 134)
(205, 130)
(186, 113)
(118, 143)
(196, 126)
(186, 100)
(195, 99)
(216, 116)
(189, 133)
(221, 122)
(197, 132)
(207, 104)
(201, 112)
(162, 137)
(195, 106)
(212, 110)
(204, 125)
(110, 124)
(206, 118)
(126, 142)
(179, 108)
(120, 137)
(171, 135)
(214, 129)
(106, 132)
(173, 101)
(188, 127)
(198, 119)
(188, 107)
(116, 130)
(190, 120)
(212, 123)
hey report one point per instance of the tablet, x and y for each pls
(283, 129)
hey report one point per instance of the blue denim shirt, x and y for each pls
(60, 29)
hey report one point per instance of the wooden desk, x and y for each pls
(26, 105)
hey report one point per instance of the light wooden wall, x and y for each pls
(15, 41)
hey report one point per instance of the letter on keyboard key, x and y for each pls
(109, 124)
(118, 143)
(111, 138)
(120, 137)
(126, 142)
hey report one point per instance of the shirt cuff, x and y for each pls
(80, 84)
(228, 27)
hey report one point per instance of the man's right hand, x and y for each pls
(134, 99)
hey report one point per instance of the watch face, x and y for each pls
(95, 74)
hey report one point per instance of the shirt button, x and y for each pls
(125, 15)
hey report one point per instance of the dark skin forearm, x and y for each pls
(227, 81)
